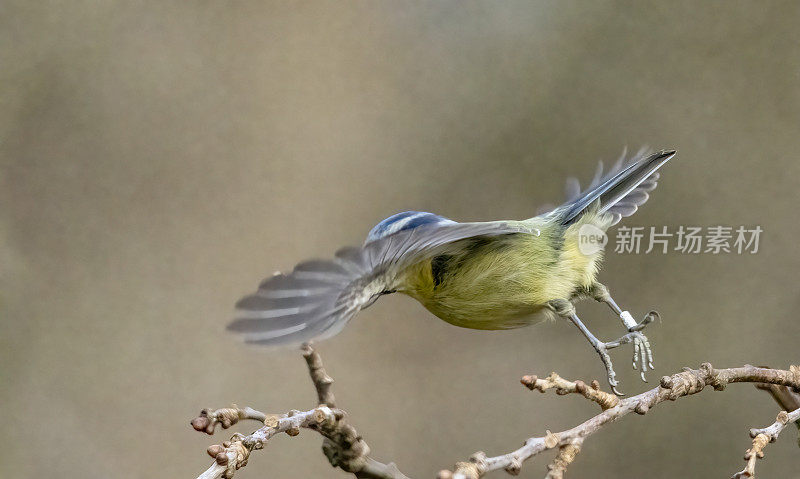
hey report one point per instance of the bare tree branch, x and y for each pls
(686, 383)
(343, 446)
(226, 417)
(232, 455)
(345, 449)
(322, 382)
(562, 386)
(566, 454)
(786, 398)
(762, 437)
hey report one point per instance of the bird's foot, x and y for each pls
(642, 352)
(602, 350)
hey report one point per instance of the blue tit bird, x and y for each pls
(480, 275)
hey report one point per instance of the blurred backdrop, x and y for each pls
(160, 158)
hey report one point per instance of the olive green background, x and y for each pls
(159, 158)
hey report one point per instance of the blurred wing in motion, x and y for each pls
(318, 297)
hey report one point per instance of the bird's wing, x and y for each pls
(318, 297)
(629, 201)
(572, 186)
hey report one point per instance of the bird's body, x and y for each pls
(483, 275)
(506, 281)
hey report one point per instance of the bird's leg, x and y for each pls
(566, 309)
(642, 352)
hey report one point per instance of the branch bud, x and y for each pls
(214, 449)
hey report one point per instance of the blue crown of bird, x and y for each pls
(481, 275)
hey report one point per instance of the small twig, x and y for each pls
(226, 417)
(322, 382)
(232, 455)
(688, 382)
(786, 398)
(762, 437)
(566, 454)
(562, 386)
(343, 446)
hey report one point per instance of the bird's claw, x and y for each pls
(642, 352)
(651, 316)
(642, 355)
(646, 352)
(602, 350)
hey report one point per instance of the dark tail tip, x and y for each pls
(667, 154)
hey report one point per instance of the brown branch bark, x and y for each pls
(762, 437)
(345, 448)
(686, 383)
(232, 455)
(322, 382)
(226, 417)
(786, 398)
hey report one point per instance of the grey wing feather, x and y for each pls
(630, 201)
(545, 209)
(318, 297)
(573, 189)
(622, 163)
